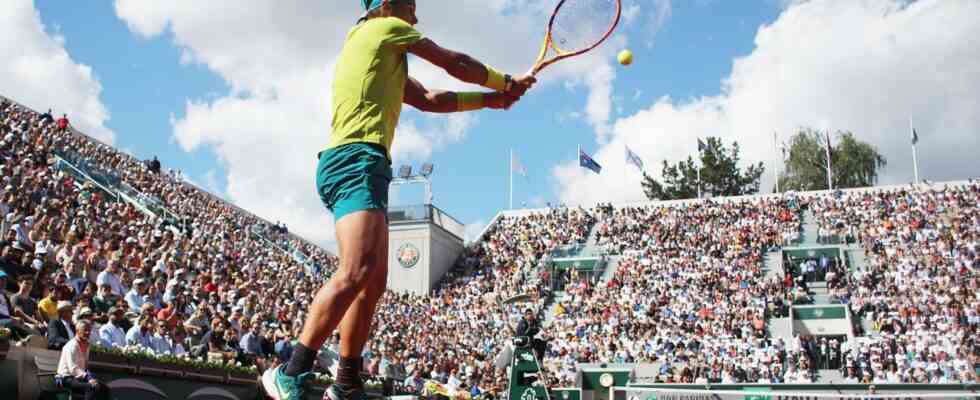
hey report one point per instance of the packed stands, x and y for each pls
(690, 294)
(920, 287)
(180, 271)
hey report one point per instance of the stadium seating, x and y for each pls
(690, 287)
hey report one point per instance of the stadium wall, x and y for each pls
(419, 254)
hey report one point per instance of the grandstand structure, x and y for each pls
(833, 289)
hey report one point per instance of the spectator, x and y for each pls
(63, 123)
(141, 334)
(135, 298)
(251, 341)
(61, 329)
(12, 317)
(73, 372)
(112, 334)
(26, 304)
(109, 277)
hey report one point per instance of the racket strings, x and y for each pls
(580, 24)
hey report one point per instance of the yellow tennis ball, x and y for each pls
(625, 57)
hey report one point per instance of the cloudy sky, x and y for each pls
(235, 94)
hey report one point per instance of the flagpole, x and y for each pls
(830, 178)
(915, 159)
(775, 143)
(511, 179)
(699, 180)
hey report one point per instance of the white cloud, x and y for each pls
(278, 58)
(38, 72)
(865, 66)
(662, 13)
(599, 105)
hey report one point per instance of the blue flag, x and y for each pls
(634, 159)
(587, 162)
(701, 146)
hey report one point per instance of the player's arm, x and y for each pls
(442, 101)
(469, 70)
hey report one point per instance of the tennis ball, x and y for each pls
(625, 57)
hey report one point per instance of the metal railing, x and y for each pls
(426, 213)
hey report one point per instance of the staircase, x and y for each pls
(820, 293)
(772, 265)
(612, 264)
(810, 229)
(781, 328)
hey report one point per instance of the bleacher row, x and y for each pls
(689, 293)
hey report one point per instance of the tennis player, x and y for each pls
(370, 85)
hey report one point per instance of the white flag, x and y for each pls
(516, 166)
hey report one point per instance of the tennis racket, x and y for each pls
(576, 27)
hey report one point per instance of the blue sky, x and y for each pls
(177, 80)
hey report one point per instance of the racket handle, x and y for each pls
(534, 70)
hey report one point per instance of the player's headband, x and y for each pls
(370, 5)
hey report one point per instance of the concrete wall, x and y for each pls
(445, 249)
(406, 277)
(437, 250)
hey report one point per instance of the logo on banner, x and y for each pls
(408, 255)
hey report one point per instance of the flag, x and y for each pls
(587, 162)
(915, 137)
(701, 146)
(634, 159)
(516, 166)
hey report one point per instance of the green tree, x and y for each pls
(720, 175)
(854, 163)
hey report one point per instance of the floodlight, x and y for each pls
(405, 171)
(427, 169)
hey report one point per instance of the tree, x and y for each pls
(720, 175)
(854, 163)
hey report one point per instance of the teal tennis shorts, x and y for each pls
(353, 177)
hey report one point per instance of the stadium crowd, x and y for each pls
(462, 326)
(207, 279)
(203, 284)
(920, 290)
(689, 295)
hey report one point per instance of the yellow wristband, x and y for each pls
(468, 101)
(495, 80)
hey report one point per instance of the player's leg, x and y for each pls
(352, 181)
(355, 328)
(356, 239)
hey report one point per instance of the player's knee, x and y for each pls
(353, 278)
